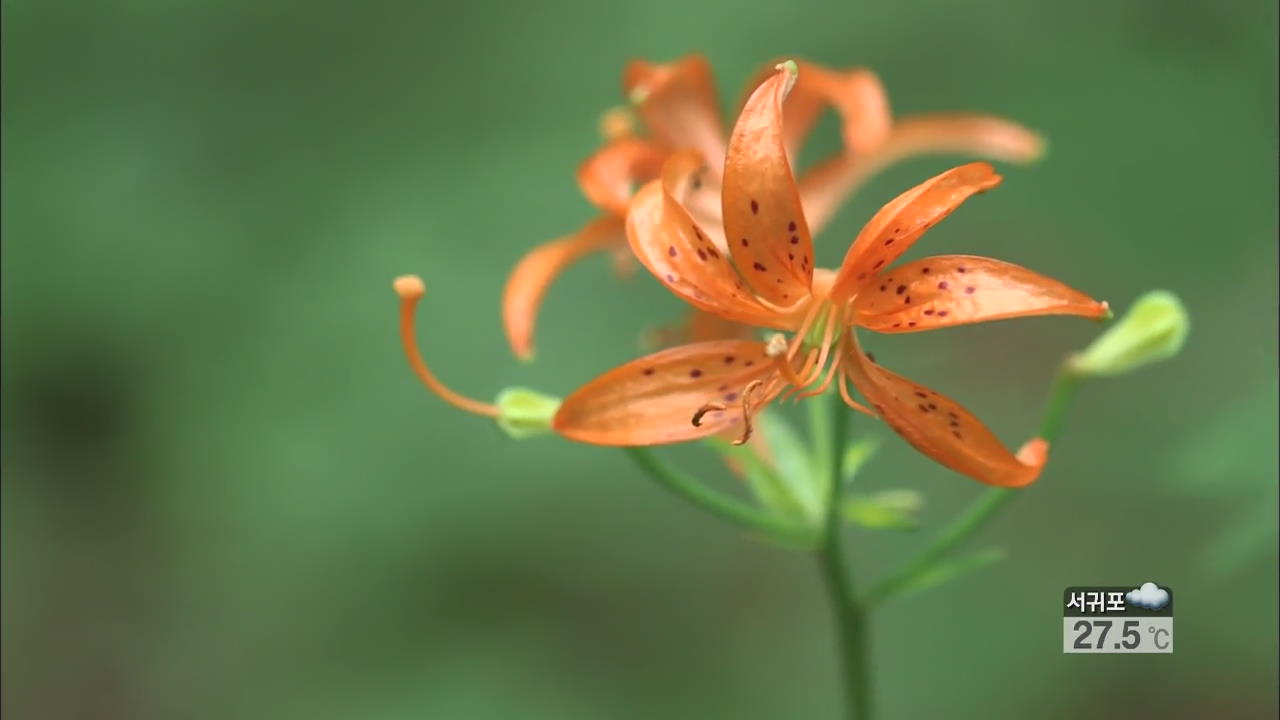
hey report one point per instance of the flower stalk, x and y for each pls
(849, 612)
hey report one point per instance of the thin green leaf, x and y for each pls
(949, 570)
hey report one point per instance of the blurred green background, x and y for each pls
(225, 496)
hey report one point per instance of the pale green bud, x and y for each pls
(1152, 330)
(885, 510)
(524, 413)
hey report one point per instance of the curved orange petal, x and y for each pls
(609, 177)
(960, 289)
(535, 272)
(825, 187)
(941, 428)
(652, 400)
(667, 241)
(985, 136)
(678, 103)
(763, 221)
(898, 225)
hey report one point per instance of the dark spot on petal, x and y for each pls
(924, 271)
(702, 256)
(878, 265)
(911, 324)
(791, 256)
(888, 242)
(745, 242)
(955, 423)
(922, 408)
(871, 357)
(755, 207)
(749, 363)
(906, 300)
(920, 394)
(932, 406)
(883, 287)
(969, 290)
(897, 324)
(671, 251)
(901, 289)
(961, 269)
(942, 313)
(791, 226)
(648, 371)
(928, 312)
(795, 240)
(730, 397)
(671, 278)
(728, 359)
(759, 267)
(695, 373)
(943, 285)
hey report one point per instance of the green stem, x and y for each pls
(850, 614)
(714, 501)
(973, 519)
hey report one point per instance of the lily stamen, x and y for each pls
(411, 289)
(752, 386)
(843, 384)
(826, 383)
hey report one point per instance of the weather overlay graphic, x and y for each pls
(1135, 619)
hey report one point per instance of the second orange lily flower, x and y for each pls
(678, 104)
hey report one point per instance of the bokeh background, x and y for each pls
(225, 496)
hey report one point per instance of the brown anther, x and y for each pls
(747, 392)
(702, 411)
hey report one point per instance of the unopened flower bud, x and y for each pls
(524, 413)
(1152, 330)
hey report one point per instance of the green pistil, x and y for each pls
(813, 338)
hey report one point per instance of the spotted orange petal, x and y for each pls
(667, 241)
(763, 221)
(535, 272)
(941, 428)
(609, 177)
(652, 400)
(678, 103)
(961, 289)
(898, 225)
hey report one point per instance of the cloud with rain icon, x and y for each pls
(1149, 596)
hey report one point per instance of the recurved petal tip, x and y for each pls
(409, 287)
(792, 70)
(1034, 453)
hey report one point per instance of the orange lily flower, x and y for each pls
(767, 279)
(677, 102)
